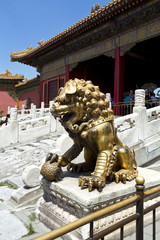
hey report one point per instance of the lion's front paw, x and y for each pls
(92, 181)
(123, 175)
(53, 157)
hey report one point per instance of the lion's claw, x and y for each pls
(81, 182)
(91, 181)
(51, 157)
(72, 167)
(54, 158)
(48, 157)
(121, 175)
(90, 184)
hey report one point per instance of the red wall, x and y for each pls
(33, 95)
(5, 101)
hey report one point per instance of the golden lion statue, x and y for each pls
(85, 114)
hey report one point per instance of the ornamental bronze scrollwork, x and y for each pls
(85, 114)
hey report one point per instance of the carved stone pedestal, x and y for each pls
(64, 202)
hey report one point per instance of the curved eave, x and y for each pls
(27, 82)
(103, 14)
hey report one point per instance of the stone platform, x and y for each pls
(65, 202)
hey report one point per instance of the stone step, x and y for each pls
(23, 197)
(16, 181)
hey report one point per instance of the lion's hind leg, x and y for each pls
(126, 164)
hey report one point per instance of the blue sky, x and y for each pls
(25, 22)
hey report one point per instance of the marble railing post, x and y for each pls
(139, 98)
(42, 110)
(13, 114)
(13, 121)
(32, 104)
(108, 97)
(140, 108)
(23, 109)
(50, 104)
(33, 109)
(53, 122)
(9, 110)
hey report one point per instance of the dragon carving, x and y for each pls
(85, 114)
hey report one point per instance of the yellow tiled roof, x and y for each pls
(8, 75)
(96, 17)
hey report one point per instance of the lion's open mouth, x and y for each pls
(70, 116)
(63, 112)
(64, 116)
(67, 116)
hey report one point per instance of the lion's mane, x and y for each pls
(94, 101)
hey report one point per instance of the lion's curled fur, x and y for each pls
(94, 101)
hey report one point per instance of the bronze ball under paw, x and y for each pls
(51, 172)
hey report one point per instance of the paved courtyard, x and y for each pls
(17, 223)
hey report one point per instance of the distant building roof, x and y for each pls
(95, 18)
(9, 76)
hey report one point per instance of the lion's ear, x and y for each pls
(71, 87)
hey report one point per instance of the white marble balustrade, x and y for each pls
(139, 130)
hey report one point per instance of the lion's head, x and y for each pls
(78, 102)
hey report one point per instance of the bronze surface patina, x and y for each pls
(85, 114)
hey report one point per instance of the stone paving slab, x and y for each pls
(38, 227)
(15, 158)
(26, 148)
(11, 227)
(2, 205)
(47, 141)
(5, 193)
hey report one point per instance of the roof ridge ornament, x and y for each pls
(95, 8)
(21, 52)
(8, 74)
(41, 42)
(21, 83)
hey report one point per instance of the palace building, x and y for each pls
(16, 92)
(8, 95)
(115, 46)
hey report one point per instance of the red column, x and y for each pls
(67, 73)
(40, 93)
(118, 80)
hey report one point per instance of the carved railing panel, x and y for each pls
(153, 113)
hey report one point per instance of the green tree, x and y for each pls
(1, 113)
